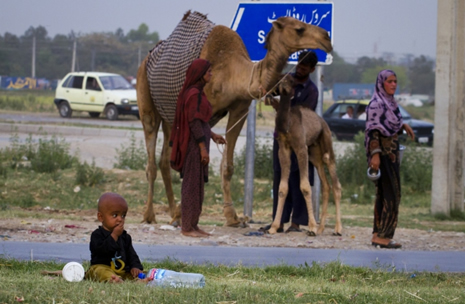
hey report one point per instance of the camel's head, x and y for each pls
(295, 35)
(285, 86)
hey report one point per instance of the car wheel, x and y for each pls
(111, 112)
(94, 114)
(65, 110)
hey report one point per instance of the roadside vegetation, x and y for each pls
(315, 283)
(57, 180)
(27, 100)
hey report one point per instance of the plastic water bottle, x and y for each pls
(168, 278)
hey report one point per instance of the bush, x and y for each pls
(351, 171)
(263, 162)
(89, 175)
(416, 169)
(48, 155)
(51, 155)
(133, 157)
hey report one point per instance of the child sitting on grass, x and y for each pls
(113, 259)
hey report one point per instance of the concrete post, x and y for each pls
(449, 130)
(316, 189)
(250, 160)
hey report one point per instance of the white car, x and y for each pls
(96, 93)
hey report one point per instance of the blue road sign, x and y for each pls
(253, 20)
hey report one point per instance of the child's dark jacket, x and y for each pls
(103, 248)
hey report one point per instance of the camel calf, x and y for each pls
(307, 134)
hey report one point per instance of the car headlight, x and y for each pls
(124, 101)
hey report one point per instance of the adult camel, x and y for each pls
(236, 80)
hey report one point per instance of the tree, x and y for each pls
(340, 71)
(142, 34)
(364, 63)
(120, 35)
(422, 76)
(370, 75)
(39, 32)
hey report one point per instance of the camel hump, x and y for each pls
(169, 60)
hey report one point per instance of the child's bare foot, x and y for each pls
(193, 233)
(115, 279)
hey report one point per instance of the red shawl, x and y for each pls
(191, 104)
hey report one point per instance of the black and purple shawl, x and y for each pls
(382, 112)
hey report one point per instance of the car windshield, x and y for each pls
(116, 82)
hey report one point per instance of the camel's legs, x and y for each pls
(227, 164)
(302, 158)
(336, 194)
(324, 194)
(284, 155)
(165, 169)
(151, 123)
(319, 160)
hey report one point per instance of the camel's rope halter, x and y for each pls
(260, 97)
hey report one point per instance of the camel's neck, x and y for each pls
(282, 115)
(271, 67)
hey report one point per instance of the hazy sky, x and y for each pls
(361, 27)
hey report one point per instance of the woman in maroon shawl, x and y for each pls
(384, 123)
(190, 139)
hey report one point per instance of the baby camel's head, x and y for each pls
(286, 85)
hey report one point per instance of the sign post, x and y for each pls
(252, 21)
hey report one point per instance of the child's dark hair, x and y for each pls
(308, 58)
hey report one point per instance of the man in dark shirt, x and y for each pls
(305, 95)
(113, 258)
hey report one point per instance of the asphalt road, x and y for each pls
(408, 261)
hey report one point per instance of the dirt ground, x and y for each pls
(76, 227)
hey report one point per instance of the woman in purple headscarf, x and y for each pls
(384, 123)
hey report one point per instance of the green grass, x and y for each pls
(316, 283)
(425, 112)
(27, 100)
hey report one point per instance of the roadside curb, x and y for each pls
(68, 130)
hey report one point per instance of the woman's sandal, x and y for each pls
(391, 245)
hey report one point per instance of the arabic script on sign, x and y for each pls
(314, 20)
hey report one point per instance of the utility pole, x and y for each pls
(33, 72)
(73, 61)
(316, 178)
(449, 126)
(250, 160)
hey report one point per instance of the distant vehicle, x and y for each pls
(407, 100)
(96, 93)
(347, 128)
